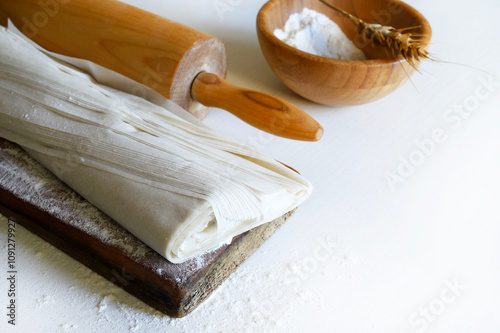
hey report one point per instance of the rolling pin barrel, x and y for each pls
(181, 63)
(159, 53)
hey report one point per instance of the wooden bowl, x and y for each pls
(333, 81)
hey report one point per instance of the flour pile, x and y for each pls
(315, 33)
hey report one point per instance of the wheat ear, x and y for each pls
(397, 42)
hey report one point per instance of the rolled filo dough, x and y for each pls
(177, 185)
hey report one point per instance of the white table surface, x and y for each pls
(422, 256)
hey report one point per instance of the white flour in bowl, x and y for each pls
(315, 33)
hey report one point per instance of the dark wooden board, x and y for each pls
(36, 199)
(3, 18)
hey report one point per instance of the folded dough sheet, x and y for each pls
(177, 185)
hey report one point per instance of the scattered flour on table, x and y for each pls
(255, 298)
(68, 327)
(272, 295)
(315, 33)
(45, 300)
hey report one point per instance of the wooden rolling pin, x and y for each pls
(183, 64)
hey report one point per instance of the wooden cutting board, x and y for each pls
(36, 199)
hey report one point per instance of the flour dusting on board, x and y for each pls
(30, 181)
(315, 33)
(44, 190)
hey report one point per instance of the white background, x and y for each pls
(359, 256)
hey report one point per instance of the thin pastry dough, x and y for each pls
(178, 186)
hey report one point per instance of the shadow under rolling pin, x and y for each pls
(181, 63)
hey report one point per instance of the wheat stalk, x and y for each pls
(396, 41)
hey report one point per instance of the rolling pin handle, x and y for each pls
(263, 111)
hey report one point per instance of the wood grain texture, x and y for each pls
(332, 81)
(258, 109)
(159, 53)
(33, 197)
